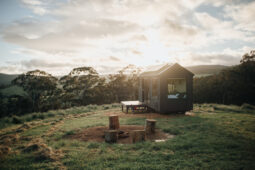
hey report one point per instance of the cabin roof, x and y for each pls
(156, 70)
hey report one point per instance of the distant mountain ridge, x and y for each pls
(6, 79)
(199, 70)
(205, 70)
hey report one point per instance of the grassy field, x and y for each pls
(212, 137)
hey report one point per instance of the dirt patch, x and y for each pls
(96, 134)
(142, 115)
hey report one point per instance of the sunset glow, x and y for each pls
(56, 36)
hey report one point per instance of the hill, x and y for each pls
(13, 90)
(5, 79)
(199, 70)
(212, 137)
(204, 70)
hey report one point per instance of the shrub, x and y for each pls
(70, 133)
(50, 114)
(93, 145)
(34, 116)
(105, 107)
(16, 120)
(41, 116)
(247, 106)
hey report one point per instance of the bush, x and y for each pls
(93, 145)
(34, 116)
(16, 120)
(105, 107)
(50, 115)
(247, 106)
(71, 132)
(41, 116)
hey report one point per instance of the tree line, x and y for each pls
(235, 85)
(83, 86)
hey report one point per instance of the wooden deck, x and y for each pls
(135, 106)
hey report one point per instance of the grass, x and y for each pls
(215, 137)
(36, 131)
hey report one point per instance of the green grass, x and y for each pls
(216, 137)
(36, 131)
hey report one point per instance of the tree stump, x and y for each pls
(138, 136)
(150, 126)
(114, 122)
(111, 136)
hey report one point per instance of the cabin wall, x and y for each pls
(176, 105)
(153, 101)
(140, 88)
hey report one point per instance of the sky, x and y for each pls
(59, 35)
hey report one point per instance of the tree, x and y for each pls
(248, 57)
(235, 85)
(124, 85)
(79, 84)
(39, 85)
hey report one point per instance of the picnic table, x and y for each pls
(133, 105)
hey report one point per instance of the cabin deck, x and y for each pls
(134, 106)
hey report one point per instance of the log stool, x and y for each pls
(138, 136)
(111, 136)
(150, 126)
(114, 122)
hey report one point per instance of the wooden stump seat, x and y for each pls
(138, 136)
(150, 126)
(111, 136)
(114, 122)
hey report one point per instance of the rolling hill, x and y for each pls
(213, 136)
(6, 79)
(205, 70)
(199, 70)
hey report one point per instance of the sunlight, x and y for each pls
(154, 49)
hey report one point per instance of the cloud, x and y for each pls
(226, 57)
(32, 2)
(139, 38)
(65, 34)
(222, 59)
(114, 58)
(110, 59)
(39, 63)
(38, 7)
(136, 52)
(220, 30)
(243, 14)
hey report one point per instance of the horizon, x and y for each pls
(116, 72)
(56, 36)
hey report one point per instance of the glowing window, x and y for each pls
(176, 89)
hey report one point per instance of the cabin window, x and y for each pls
(176, 89)
(154, 87)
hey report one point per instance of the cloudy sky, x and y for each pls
(56, 36)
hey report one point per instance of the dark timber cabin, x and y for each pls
(167, 88)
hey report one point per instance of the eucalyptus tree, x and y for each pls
(39, 85)
(124, 84)
(78, 85)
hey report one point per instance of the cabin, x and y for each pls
(166, 88)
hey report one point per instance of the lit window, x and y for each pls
(176, 89)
